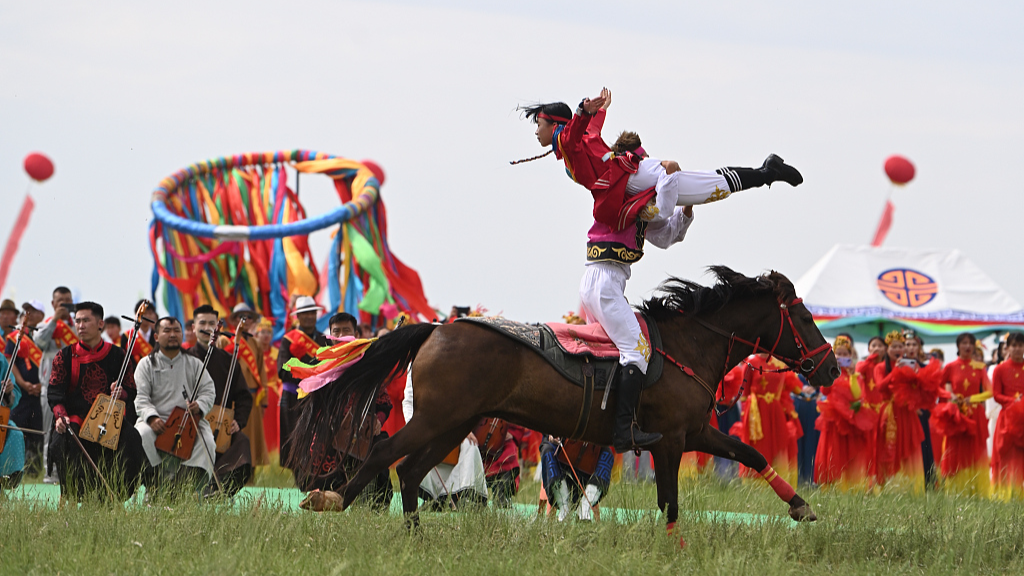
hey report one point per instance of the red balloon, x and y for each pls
(38, 166)
(378, 172)
(899, 169)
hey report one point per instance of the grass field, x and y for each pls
(886, 533)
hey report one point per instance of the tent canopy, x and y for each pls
(868, 291)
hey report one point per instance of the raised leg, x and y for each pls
(711, 441)
(418, 433)
(412, 470)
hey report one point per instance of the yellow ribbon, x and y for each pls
(754, 419)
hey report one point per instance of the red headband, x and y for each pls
(555, 119)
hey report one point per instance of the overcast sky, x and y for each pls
(122, 94)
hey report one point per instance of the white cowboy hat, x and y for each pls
(306, 304)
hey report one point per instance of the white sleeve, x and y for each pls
(407, 399)
(44, 336)
(144, 386)
(671, 231)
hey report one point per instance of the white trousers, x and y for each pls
(683, 188)
(603, 294)
(201, 457)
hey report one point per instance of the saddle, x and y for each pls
(584, 355)
(581, 354)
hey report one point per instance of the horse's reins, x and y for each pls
(806, 364)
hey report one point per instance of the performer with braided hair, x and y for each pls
(626, 215)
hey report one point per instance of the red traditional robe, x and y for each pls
(591, 163)
(899, 428)
(271, 414)
(1008, 440)
(767, 411)
(964, 450)
(847, 425)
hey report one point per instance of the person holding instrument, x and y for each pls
(25, 373)
(79, 374)
(12, 456)
(55, 333)
(234, 466)
(167, 379)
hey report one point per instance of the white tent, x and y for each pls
(867, 291)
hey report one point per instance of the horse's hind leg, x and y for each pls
(711, 441)
(419, 432)
(418, 464)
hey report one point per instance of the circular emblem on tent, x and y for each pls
(907, 288)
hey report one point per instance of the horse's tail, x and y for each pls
(356, 389)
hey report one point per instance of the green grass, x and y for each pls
(886, 533)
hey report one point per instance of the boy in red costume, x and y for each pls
(616, 239)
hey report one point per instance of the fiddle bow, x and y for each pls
(220, 417)
(109, 410)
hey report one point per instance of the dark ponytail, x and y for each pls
(557, 112)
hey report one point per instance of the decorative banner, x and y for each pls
(14, 239)
(232, 230)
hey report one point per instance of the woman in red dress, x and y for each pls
(962, 421)
(847, 426)
(1008, 440)
(764, 424)
(906, 388)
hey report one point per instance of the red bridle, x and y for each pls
(805, 363)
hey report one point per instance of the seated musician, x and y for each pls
(80, 373)
(575, 472)
(12, 458)
(498, 442)
(234, 466)
(161, 377)
(333, 471)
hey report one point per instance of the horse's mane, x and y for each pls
(678, 295)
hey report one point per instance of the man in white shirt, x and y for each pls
(163, 379)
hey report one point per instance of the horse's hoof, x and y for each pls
(322, 501)
(802, 513)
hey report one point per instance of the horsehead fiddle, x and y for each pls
(103, 423)
(180, 430)
(220, 417)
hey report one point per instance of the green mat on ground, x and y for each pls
(289, 498)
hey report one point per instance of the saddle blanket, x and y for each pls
(575, 351)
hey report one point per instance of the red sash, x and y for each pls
(64, 335)
(82, 355)
(301, 345)
(28, 351)
(141, 349)
(247, 356)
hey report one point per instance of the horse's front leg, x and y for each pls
(711, 441)
(667, 455)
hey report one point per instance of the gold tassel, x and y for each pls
(754, 420)
(854, 387)
(890, 426)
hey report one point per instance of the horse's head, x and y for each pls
(797, 340)
(762, 313)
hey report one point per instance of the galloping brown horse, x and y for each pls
(464, 371)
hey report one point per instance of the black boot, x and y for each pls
(627, 434)
(774, 169)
